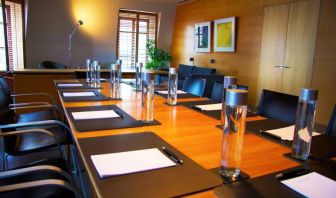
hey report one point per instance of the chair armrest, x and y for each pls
(37, 123)
(28, 104)
(20, 132)
(15, 107)
(36, 105)
(41, 183)
(29, 170)
(31, 107)
(36, 94)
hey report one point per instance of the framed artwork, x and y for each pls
(202, 37)
(224, 38)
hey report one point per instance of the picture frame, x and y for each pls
(202, 37)
(224, 36)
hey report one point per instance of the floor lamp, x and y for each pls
(80, 22)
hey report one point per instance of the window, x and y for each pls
(134, 29)
(14, 28)
(3, 58)
(14, 34)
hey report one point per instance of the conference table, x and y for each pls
(190, 132)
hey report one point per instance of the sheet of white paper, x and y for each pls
(128, 80)
(210, 107)
(130, 162)
(312, 185)
(78, 94)
(286, 133)
(166, 92)
(70, 85)
(94, 114)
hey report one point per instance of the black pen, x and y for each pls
(292, 173)
(119, 113)
(172, 155)
(196, 107)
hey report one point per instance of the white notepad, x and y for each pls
(78, 94)
(70, 85)
(287, 133)
(166, 92)
(130, 162)
(83, 115)
(312, 185)
(210, 107)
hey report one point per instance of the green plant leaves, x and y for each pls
(158, 58)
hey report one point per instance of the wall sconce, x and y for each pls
(212, 61)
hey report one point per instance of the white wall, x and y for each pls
(50, 22)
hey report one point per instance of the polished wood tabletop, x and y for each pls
(191, 132)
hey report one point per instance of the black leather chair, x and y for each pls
(38, 110)
(33, 140)
(51, 65)
(194, 86)
(210, 80)
(278, 106)
(331, 129)
(162, 78)
(183, 71)
(217, 91)
(37, 181)
(203, 70)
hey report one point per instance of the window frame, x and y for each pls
(3, 7)
(137, 19)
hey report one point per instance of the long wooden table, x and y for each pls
(191, 132)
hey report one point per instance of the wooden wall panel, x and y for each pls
(273, 47)
(244, 63)
(324, 74)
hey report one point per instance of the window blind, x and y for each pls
(134, 29)
(14, 22)
(3, 59)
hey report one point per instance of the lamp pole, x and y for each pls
(80, 22)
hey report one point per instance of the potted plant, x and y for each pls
(158, 58)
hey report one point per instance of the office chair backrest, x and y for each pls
(6, 89)
(184, 70)
(278, 106)
(194, 86)
(331, 130)
(51, 65)
(217, 91)
(6, 115)
(210, 80)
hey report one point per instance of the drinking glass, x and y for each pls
(233, 132)
(115, 81)
(147, 99)
(304, 125)
(138, 69)
(172, 86)
(229, 83)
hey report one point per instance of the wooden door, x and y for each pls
(300, 46)
(273, 47)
